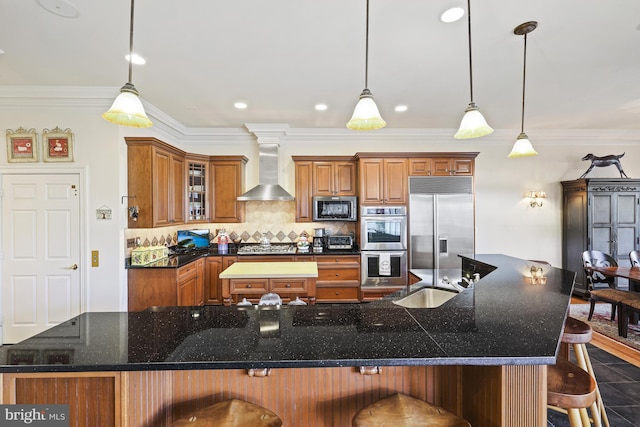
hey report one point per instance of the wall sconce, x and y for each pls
(537, 276)
(536, 198)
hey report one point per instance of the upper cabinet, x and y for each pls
(442, 166)
(322, 176)
(383, 181)
(227, 183)
(334, 178)
(156, 183)
(197, 188)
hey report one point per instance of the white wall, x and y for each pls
(504, 221)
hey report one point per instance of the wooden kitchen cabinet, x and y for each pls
(191, 284)
(227, 183)
(442, 164)
(198, 193)
(165, 286)
(213, 266)
(338, 278)
(287, 289)
(334, 178)
(156, 183)
(322, 176)
(383, 181)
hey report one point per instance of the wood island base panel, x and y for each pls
(478, 355)
(309, 397)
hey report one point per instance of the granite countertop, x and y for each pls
(177, 261)
(502, 320)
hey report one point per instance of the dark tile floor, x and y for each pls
(619, 384)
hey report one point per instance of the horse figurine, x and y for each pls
(603, 161)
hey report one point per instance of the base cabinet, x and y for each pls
(338, 278)
(254, 289)
(182, 286)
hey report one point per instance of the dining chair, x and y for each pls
(598, 259)
(634, 257)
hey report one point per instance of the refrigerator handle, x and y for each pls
(443, 245)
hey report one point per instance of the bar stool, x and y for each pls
(231, 413)
(570, 389)
(578, 333)
(400, 410)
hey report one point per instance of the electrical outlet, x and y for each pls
(131, 243)
(95, 259)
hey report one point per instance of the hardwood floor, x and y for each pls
(611, 346)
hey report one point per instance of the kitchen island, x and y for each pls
(481, 355)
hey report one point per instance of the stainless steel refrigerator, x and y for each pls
(441, 221)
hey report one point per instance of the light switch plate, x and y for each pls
(95, 259)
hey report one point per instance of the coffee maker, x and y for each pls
(318, 240)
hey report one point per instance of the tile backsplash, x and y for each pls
(276, 218)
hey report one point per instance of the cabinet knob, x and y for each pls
(248, 286)
(337, 275)
(337, 293)
(288, 285)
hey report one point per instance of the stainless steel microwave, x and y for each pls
(335, 208)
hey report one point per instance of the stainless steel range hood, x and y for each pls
(268, 187)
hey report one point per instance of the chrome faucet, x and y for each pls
(455, 286)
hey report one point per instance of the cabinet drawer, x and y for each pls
(187, 271)
(338, 260)
(248, 286)
(377, 292)
(288, 285)
(333, 294)
(341, 274)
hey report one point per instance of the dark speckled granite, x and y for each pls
(503, 320)
(176, 261)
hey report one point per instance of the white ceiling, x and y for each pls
(282, 57)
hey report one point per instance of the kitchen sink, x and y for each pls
(426, 298)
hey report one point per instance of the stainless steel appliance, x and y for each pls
(383, 244)
(383, 228)
(335, 208)
(339, 241)
(441, 221)
(372, 265)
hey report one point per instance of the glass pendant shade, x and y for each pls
(473, 124)
(366, 115)
(127, 109)
(522, 147)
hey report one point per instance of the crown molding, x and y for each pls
(24, 98)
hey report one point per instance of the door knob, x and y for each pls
(73, 267)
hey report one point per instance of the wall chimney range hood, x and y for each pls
(268, 143)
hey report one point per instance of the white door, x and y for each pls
(41, 252)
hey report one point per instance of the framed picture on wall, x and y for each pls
(22, 145)
(57, 145)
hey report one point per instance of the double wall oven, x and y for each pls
(383, 245)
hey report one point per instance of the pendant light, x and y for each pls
(473, 124)
(366, 115)
(522, 146)
(127, 109)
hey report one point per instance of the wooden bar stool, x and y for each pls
(231, 413)
(577, 334)
(400, 410)
(570, 389)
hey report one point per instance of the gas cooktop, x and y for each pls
(271, 249)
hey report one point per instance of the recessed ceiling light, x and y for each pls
(401, 108)
(1, 51)
(136, 59)
(321, 107)
(60, 7)
(240, 105)
(452, 15)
